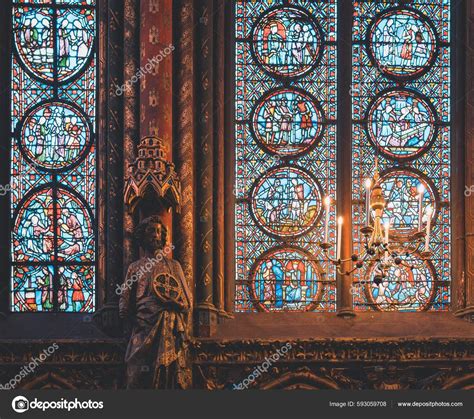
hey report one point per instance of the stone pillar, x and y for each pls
(183, 135)
(206, 315)
(219, 158)
(344, 161)
(110, 133)
(131, 106)
(156, 98)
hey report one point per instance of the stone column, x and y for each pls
(206, 313)
(219, 158)
(183, 135)
(344, 160)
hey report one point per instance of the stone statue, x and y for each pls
(156, 299)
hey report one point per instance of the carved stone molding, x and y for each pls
(217, 365)
(336, 364)
(336, 350)
(68, 352)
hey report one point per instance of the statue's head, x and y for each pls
(151, 234)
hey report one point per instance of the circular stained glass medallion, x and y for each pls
(286, 201)
(54, 135)
(401, 124)
(401, 191)
(402, 43)
(54, 48)
(34, 229)
(404, 289)
(285, 279)
(287, 122)
(287, 42)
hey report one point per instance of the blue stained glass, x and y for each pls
(55, 135)
(287, 122)
(401, 113)
(402, 191)
(53, 172)
(401, 124)
(286, 201)
(287, 41)
(403, 42)
(404, 289)
(75, 33)
(285, 146)
(33, 232)
(286, 279)
(34, 40)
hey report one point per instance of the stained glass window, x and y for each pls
(401, 113)
(285, 140)
(53, 164)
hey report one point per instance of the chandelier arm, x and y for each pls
(329, 258)
(334, 260)
(354, 268)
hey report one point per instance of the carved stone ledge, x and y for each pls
(466, 313)
(336, 350)
(97, 352)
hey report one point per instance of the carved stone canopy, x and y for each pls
(151, 172)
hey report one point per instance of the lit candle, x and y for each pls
(429, 213)
(339, 237)
(368, 185)
(421, 191)
(327, 203)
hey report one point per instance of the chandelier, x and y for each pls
(380, 250)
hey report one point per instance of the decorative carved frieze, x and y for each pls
(387, 364)
(336, 350)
